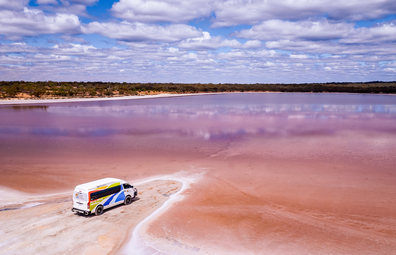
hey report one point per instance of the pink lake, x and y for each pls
(272, 173)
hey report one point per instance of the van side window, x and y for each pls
(106, 192)
(127, 186)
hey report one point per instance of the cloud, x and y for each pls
(84, 2)
(162, 10)
(73, 49)
(323, 36)
(149, 64)
(136, 31)
(251, 12)
(326, 47)
(207, 42)
(68, 38)
(236, 12)
(77, 7)
(247, 55)
(67, 3)
(15, 25)
(46, 1)
(288, 41)
(303, 30)
(379, 33)
(13, 4)
(18, 48)
(298, 56)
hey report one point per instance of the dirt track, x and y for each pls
(51, 227)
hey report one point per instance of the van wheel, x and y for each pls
(99, 210)
(128, 200)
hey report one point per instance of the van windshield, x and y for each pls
(80, 196)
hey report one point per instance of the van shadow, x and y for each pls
(107, 210)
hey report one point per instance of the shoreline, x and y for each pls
(165, 95)
(135, 234)
(135, 238)
(73, 100)
(48, 220)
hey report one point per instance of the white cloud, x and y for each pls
(67, 2)
(46, 1)
(323, 36)
(136, 31)
(77, 7)
(299, 56)
(173, 50)
(207, 42)
(234, 54)
(84, 2)
(252, 44)
(13, 4)
(305, 30)
(325, 47)
(68, 38)
(299, 48)
(15, 25)
(74, 48)
(162, 10)
(235, 12)
(378, 33)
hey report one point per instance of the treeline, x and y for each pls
(51, 89)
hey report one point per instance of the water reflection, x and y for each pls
(217, 109)
(26, 107)
(206, 117)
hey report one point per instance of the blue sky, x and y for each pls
(198, 41)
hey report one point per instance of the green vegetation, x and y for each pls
(50, 89)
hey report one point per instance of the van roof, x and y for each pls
(98, 183)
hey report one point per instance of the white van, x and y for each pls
(94, 197)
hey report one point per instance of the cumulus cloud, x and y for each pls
(77, 7)
(86, 62)
(85, 2)
(321, 36)
(292, 40)
(67, 2)
(68, 38)
(46, 1)
(15, 25)
(298, 56)
(325, 47)
(247, 54)
(73, 49)
(379, 33)
(235, 12)
(305, 30)
(137, 31)
(162, 10)
(207, 42)
(12, 4)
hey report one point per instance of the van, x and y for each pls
(94, 197)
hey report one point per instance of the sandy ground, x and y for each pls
(68, 100)
(46, 225)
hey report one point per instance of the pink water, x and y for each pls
(281, 173)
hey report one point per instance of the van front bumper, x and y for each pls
(81, 211)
